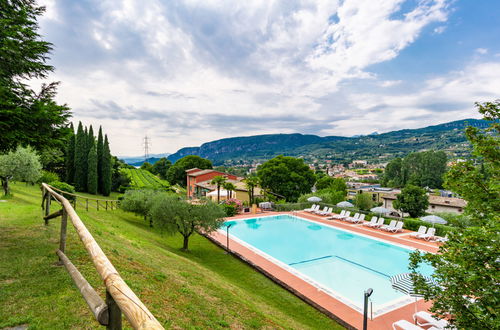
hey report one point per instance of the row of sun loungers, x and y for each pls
(422, 319)
(316, 210)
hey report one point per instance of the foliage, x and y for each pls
(161, 167)
(48, 177)
(120, 181)
(106, 168)
(218, 181)
(176, 174)
(20, 165)
(139, 202)
(423, 169)
(144, 179)
(466, 266)
(363, 201)
(177, 216)
(251, 183)
(70, 157)
(232, 206)
(64, 187)
(147, 167)
(286, 176)
(328, 196)
(92, 171)
(100, 159)
(324, 182)
(80, 159)
(412, 200)
(230, 188)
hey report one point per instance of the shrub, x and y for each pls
(363, 201)
(48, 177)
(231, 206)
(64, 187)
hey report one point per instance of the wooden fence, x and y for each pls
(88, 202)
(119, 297)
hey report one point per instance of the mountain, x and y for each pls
(139, 160)
(449, 137)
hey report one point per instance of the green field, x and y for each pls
(200, 289)
(144, 179)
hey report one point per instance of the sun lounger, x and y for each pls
(426, 319)
(397, 228)
(429, 235)
(421, 231)
(350, 219)
(346, 215)
(327, 212)
(441, 239)
(373, 221)
(391, 225)
(324, 210)
(405, 325)
(310, 208)
(360, 219)
(335, 216)
(378, 224)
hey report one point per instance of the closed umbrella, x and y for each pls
(404, 283)
(344, 204)
(314, 199)
(434, 219)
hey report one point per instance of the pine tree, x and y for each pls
(106, 168)
(70, 157)
(92, 171)
(80, 160)
(100, 154)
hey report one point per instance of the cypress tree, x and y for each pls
(100, 154)
(85, 157)
(90, 144)
(106, 168)
(80, 160)
(92, 171)
(70, 157)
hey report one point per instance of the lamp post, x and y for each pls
(227, 237)
(368, 293)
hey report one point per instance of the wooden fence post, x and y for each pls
(87, 204)
(47, 207)
(115, 314)
(106, 205)
(64, 225)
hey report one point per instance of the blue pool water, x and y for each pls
(339, 261)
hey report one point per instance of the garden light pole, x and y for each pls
(368, 293)
(227, 236)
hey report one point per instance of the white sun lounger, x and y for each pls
(397, 228)
(350, 219)
(346, 215)
(421, 231)
(405, 325)
(429, 235)
(392, 224)
(335, 216)
(327, 212)
(361, 218)
(426, 319)
(373, 221)
(311, 208)
(378, 224)
(441, 239)
(324, 210)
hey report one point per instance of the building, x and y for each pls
(437, 204)
(375, 191)
(199, 184)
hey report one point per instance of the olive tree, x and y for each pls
(174, 215)
(139, 202)
(20, 165)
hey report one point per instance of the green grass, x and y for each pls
(200, 289)
(144, 179)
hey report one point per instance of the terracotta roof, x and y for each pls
(195, 169)
(201, 172)
(437, 200)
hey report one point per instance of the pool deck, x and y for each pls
(346, 315)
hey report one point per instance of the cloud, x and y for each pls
(185, 72)
(482, 51)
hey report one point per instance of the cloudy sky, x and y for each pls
(188, 72)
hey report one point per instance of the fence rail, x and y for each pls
(89, 202)
(119, 297)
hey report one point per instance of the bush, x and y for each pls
(64, 187)
(230, 210)
(363, 201)
(327, 196)
(48, 177)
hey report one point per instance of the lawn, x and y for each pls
(200, 289)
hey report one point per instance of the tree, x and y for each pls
(324, 182)
(161, 167)
(27, 117)
(139, 202)
(363, 201)
(219, 181)
(70, 157)
(21, 165)
(251, 182)
(177, 216)
(177, 173)
(100, 159)
(412, 200)
(119, 181)
(230, 187)
(339, 185)
(80, 159)
(106, 168)
(393, 173)
(147, 167)
(466, 266)
(286, 176)
(424, 169)
(92, 171)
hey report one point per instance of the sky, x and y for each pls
(188, 72)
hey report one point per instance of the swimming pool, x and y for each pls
(341, 263)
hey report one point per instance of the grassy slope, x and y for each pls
(201, 289)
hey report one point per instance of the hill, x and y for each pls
(375, 147)
(144, 179)
(200, 289)
(139, 160)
